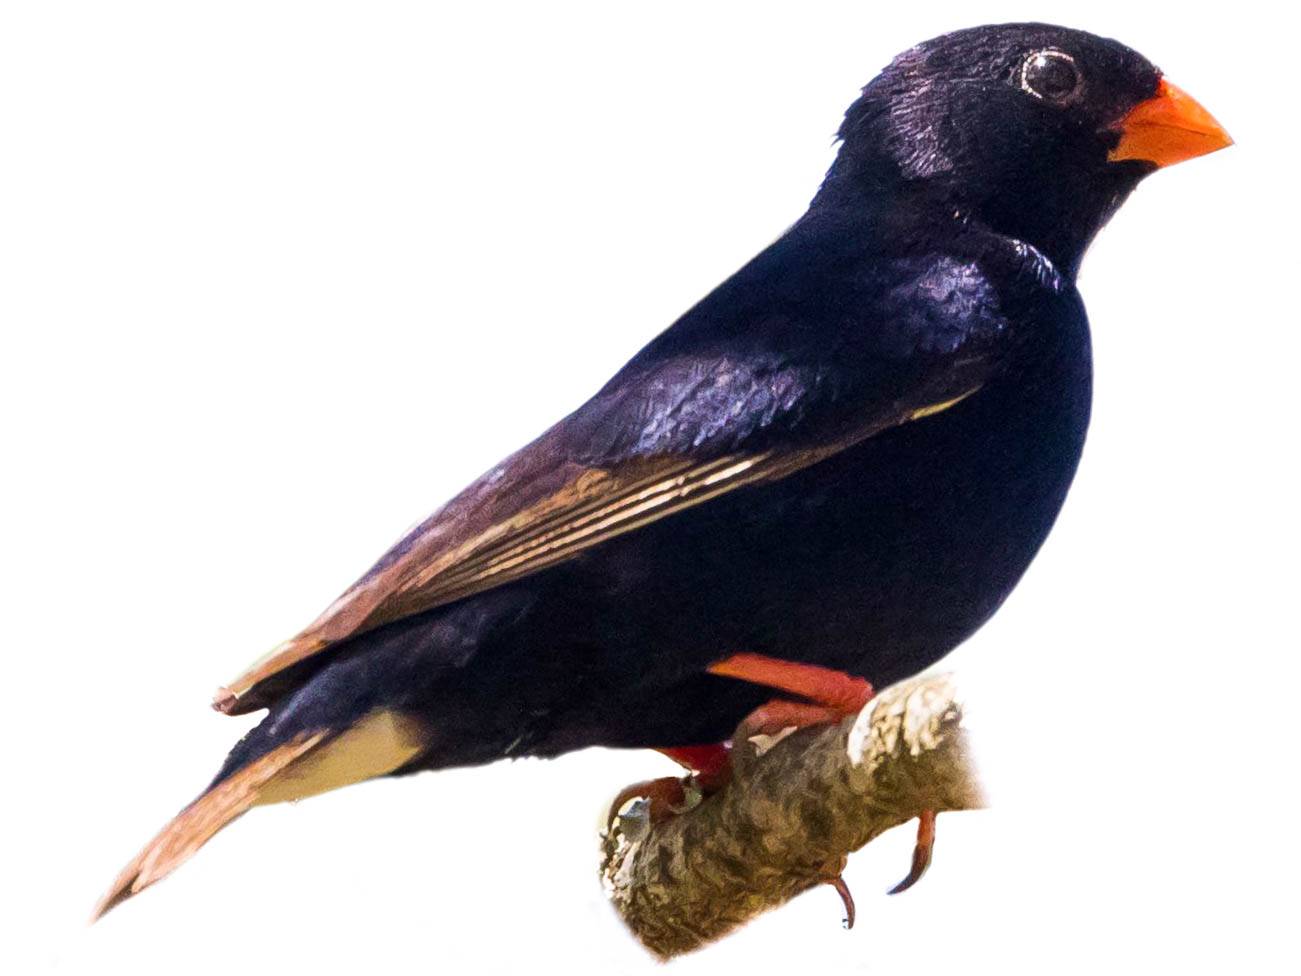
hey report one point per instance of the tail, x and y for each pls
(310, 762)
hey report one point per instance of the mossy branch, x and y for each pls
(790, 816)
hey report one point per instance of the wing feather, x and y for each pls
(445, 565)
(690, 418)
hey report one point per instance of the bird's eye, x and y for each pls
(1050, 75)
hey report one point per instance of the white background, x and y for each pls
(278, 278)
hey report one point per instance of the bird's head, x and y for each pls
(1039, 132)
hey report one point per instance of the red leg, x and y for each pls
(841, 692)
(711, 764)
(830, 696)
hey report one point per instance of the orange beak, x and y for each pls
(1168, 128)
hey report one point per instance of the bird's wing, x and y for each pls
(684, 422)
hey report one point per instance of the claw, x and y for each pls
(846, 898)
(922, 852)
(664, 797)
(634, 820)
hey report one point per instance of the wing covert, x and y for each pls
(684, 422)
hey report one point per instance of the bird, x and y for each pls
(819, 480)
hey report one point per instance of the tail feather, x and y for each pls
(199, 822)
(309, 763)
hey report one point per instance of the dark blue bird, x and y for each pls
(839, 463)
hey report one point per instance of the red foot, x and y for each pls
(667, 797)
(710, 767)
(711, 764)
(780, 714)
(831, 695)
(846, 899)
(843, 693)
(922, 852)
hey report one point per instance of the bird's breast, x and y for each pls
(878, 560)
